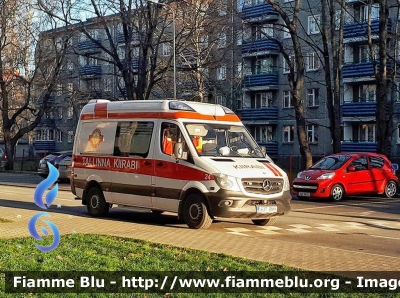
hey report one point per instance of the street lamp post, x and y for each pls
(174, 37)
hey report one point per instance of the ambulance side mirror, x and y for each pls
(178, 151)
(263, 150)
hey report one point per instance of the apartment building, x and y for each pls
(267, 109)
(247, 72)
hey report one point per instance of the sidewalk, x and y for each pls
(294, 254)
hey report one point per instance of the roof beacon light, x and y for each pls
(177, 105)
(227, 111)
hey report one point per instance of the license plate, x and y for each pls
(43, 165)
(266, 209)
(304, 194)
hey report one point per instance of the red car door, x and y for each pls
(378, 173)
(358, 177)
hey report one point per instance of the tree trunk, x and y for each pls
(381, 75)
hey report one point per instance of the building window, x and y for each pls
(365, 54)
(70, 87)
(338, 14)
(59, 89)
(364, 12)
(60, 113)
(166, 49)
(263, 100)
(287, 99)
(313, 97)
(366, 132)
(88, 60)
(288, 133)
(45, 134)
(285, 64)
(70, 113)
(108, 84)
(312, 62)
(70, 136)
(239, 70)
(265, 65)
(313, 24)
(221, 73)
(219, 99)
(59, 136)
(263, 134)
(264, 31)
(70, 65)
(312, 135)
(221, 41)
(367, 93)
(398, 132)
(286, 33)
(203, 41)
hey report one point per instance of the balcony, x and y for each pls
(264, 81)
(259, 12)
(362, 69)
(89, 46)
(90, 71)
(45, 122)
(259, 45)
(258, 114)
(358, 109)
(44, 146)
(359, 146)
(134, 39)
(272, 147)
(356, 30)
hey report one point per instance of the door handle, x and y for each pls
(147, 163)
(159, 164)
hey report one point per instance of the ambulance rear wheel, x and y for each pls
(195, 213)
(96, 204)
(264, 222)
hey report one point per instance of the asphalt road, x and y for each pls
(367, 224)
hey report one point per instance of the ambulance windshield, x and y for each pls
(222, 140)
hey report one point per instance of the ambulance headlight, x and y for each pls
(226, 182)
(286, 184)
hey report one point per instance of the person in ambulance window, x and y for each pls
(168, 138)
(198, 143)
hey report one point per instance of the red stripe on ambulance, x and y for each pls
(151, 167)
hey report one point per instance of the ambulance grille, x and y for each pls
(263, 186)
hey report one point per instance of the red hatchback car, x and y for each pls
(341, 174)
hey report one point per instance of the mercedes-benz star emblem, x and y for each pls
(267, 185)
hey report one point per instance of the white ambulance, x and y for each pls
(193, 159)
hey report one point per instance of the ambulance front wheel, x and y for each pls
(264, 222)
(195, 213)
(96, 204)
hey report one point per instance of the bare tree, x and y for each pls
(134, 33)
(296, 76)
(21, 71)
(382, 77)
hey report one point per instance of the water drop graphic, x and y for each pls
(35, 234)
(44, 185)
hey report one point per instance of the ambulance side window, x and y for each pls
(133, 138)
(170, 134)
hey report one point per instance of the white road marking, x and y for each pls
(355, 225)
(378, 236)
(328, 227)
(300, 226)
(267, 232)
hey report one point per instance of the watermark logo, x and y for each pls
(38, 199)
